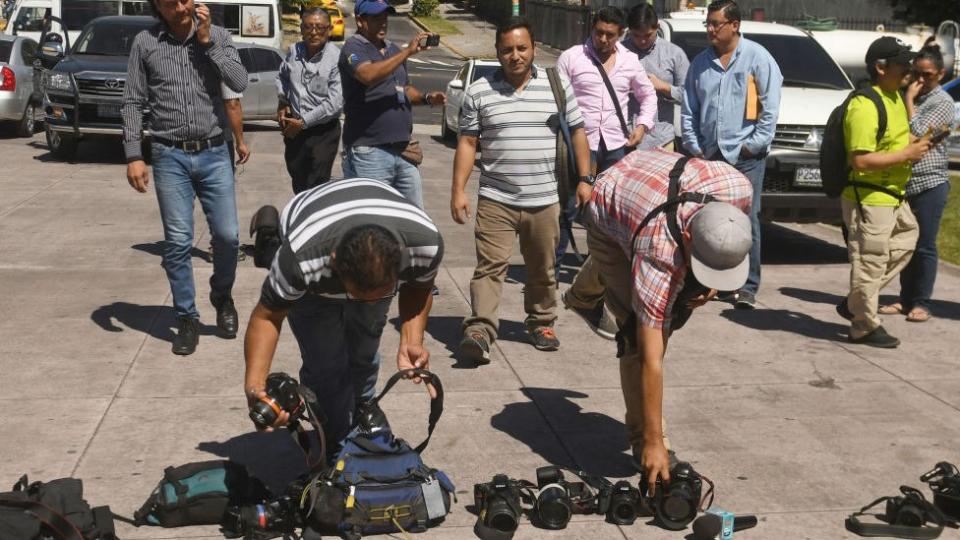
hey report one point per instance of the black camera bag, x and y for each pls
(265, 228)
(54, 509)
(199, 494)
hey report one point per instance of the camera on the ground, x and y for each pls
(283, 394)
(498, 503)
(620, 503)
(675, 505)
(944, 482)
(266, 520)
(558, 499)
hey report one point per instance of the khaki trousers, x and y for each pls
(496, 228)
(587, 289)
(610, 258)
(880, 240)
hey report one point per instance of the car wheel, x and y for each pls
(61, 145)
(29, 121)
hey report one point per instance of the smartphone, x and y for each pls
(432, 41)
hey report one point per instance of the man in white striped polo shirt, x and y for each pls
(348, 248)
(514, 116)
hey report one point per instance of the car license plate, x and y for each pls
(108, 111)
(807, 176)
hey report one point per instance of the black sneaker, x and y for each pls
(475, 347)
(726, 296)
(745, 300)
(843, 310)
(188, 335)
(543, 338)
(227, 319)
(595, 317)
(878, 338)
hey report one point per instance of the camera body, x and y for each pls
(558, 499)
(944, 482)
(619, 502)
(676, 504)
(908, 510)
(283, 394)
(433, 40)
(280, 515)
(498, 503)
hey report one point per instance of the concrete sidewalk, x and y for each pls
(791, 422)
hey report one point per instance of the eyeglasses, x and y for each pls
(925, 74)
(318, 28)
(715, 24)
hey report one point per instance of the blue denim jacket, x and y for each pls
(714, 104)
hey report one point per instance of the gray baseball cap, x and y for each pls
(720, 251)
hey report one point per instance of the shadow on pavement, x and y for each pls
(780, 245)
(272, 457)
(156, 248)
(786, 320)
(940, 308)
(448, 330)
(557, 406)
(157, 321)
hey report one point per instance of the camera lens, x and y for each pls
(504, 520)
(624, 513)
(553, 507)
(264, 412)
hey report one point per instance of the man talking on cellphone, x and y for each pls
(176, 68)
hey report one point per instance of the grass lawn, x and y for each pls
(948, 242)
(439, 25)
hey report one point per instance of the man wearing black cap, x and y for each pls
(377, 102)
(882, 229)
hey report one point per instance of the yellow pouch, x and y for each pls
(753, 100)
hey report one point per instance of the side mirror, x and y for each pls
(456, 84)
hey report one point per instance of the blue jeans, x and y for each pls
(917, 279)
(385, 164)
(754, 169)
(339, 342)
(179, 177)
(607, 159)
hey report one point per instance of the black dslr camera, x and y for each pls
(620, 502)
(557, 499)
(498, 503)
(676, 504)
(283, 394)
(261, 521)
(944, 481)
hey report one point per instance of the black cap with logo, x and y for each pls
(891, 49)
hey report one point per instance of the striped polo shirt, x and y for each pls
(313, 222)
(518, 137)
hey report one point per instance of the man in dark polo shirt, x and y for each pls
(377, 102)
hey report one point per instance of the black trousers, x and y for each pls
(310, 155)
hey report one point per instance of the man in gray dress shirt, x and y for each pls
(176, 69)
(311, 100)
(666, 64)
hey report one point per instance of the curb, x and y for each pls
(443, 41)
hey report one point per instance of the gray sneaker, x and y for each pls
(474, 346)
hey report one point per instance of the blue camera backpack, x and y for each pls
(379, 484)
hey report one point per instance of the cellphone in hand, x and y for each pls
(432, 41)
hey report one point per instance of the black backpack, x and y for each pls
(265, 228)
(834, 170)
(54, 509)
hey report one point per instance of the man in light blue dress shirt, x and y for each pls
(730, 106)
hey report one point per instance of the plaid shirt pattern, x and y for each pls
(934, 109)
(627, 192)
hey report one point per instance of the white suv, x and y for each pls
(813, 85)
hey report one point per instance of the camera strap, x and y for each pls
(930, 513)
(436, 403)
(300, 436)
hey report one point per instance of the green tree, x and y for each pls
(931, 12)
(425, 8)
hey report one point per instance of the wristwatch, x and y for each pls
(588, 179)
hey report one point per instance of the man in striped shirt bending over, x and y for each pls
(514, 116)
(348, 248)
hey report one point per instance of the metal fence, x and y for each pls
(558, 24)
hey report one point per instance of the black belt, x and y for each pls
(194, 146)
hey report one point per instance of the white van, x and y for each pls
(250, 21)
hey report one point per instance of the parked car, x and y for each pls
(953, 141)
(470, 71)
(338, 26)
(813, 86)
(259, 100)
(19, 91)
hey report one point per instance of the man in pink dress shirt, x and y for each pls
(609, 135)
